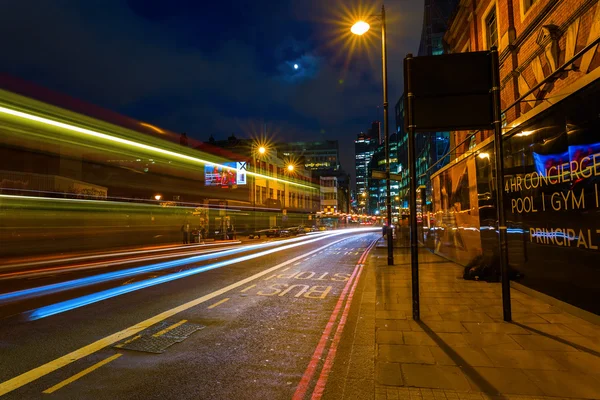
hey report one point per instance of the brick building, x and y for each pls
(534, 39)
(549, 68)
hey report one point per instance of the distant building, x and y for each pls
(274, 193)
(374, 131)
(315, 156)
(364, 146)
(329, 202)
(435, 24)
(430, 147)
(377, 193)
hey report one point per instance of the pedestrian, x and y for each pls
(185, 229)
(384, 231)
(202, 234)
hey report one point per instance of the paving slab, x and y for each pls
(434, 376)
(538, 342)
(577, 361)
(566, 384)
(388, 374)
(525, 359)
(494, 327)
(466, 316)
(502, 380)
(406, 354)
(393, 324)
(418, 339)
(461, 356)
(491, 340)
(389, 337)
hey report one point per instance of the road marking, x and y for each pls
(45, 369)
(316, 358)
(285, 269)
(347, 292)
(169, 328)
(298, 263)
(270, 277)
(248, 288)
(81, 374)
(128, 341)
(327, 366)
(218, 303)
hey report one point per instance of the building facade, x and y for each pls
(549, 70)
(329, 201)
(271, 189)
(364, 147)
(314, 156)
(430, 147)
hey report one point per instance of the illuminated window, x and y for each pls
(491, 29)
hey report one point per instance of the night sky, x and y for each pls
(216, 67)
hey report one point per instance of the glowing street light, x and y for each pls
(157, 197)
(290, 167)
(360, 28)
(262, 150)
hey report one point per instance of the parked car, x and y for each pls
(294, 230)
(273, 232)
(257, 234)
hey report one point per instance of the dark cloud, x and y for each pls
(211, 68)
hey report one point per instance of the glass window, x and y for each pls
(491, 29)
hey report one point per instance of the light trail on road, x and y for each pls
(71, 304)
(127, 273)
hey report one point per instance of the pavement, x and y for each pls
(461, 348)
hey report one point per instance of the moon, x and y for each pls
(296, 66)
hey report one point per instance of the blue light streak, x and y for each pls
(109, 276)
(82, 301)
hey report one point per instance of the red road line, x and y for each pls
(312, 365)
(322, 381)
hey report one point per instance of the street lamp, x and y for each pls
(157, 197)
(290, 167)
(260, 150)
(360, 28)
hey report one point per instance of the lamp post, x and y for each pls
(259, 151)
(359, 28)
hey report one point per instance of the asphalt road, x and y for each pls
(238, 323)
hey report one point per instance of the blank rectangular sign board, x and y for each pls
(451, 92)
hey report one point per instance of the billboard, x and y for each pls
(218, 175)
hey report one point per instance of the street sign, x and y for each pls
(381, 175)
(451, 92)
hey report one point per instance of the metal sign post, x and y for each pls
(412, 201)
(499, 156)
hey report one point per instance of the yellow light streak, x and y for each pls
(154, 128)
(89, 132)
